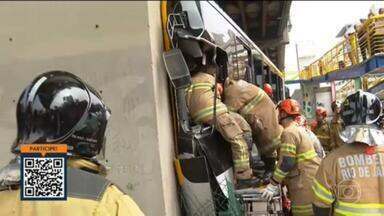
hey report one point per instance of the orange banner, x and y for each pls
(43, 149)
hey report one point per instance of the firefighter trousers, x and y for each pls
(232, 133)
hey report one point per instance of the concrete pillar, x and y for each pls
(117, 48)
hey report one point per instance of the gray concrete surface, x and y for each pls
(116, 47)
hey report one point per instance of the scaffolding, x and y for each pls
(366, 42)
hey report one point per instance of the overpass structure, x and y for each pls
(265, 22)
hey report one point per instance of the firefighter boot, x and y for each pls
(245, 179)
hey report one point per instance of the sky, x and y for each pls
(315, 25)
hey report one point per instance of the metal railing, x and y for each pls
(366, 41)
(371, 81)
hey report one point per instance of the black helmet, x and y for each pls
(361, 108)
(58, 107)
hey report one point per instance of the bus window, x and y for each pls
(258, 70)
(245, 55)
(238, 61)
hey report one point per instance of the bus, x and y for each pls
(203, 163)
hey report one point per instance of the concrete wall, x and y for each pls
(163, 110)
(116, 47)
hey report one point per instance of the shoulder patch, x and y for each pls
(85, 185)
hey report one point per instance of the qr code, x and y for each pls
(43, 178)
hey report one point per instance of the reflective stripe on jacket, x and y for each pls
(200, 99)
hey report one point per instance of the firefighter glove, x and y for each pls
(270, 191)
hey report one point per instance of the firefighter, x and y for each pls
(200, 103)
(243, 124)
(350, 180)
(302, 121)
(256, 164)
(259, 111)
(298, 161)
(336, 125)
(323, 130)
(58, 107)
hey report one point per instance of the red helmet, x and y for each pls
(268, 89)
(321, 111)
(290, 106)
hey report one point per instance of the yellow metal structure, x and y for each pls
(371, 36)
(367, 41)
(371, 81)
